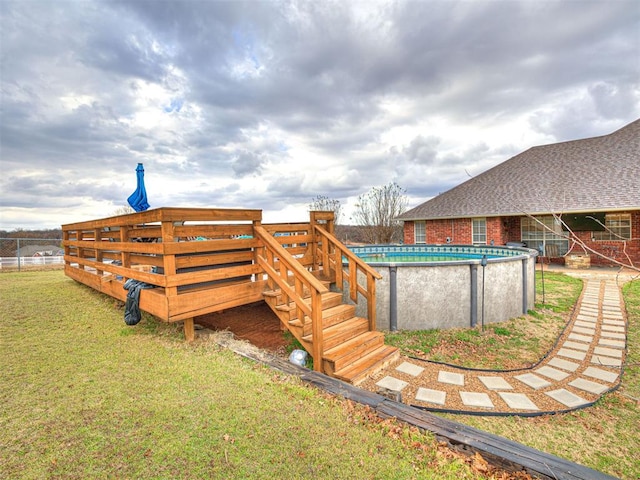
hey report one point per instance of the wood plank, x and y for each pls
(151, 278)
(210, 259)
(368, 364)
(213, 231)
(213, 299)
(178, 214)
(130, 247)
(207, 246)
(331, 316)
(211, 275)
(189, 330)
(353, 350)
(342, 332)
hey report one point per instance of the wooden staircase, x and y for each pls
(351, 352)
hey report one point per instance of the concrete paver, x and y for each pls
(533, 381)
(518, 401)
(451, 377)
(606, 361)
(580, 338)
(600, 374)
(614, 335)
(410, 369)
(609, 352)
(615, 323)
(611, 342)
(588, 386)
(576, 346)
(495, 383)
(590, 331)
(563, 364)
(552, 373)
(567, 398)
(393, 384)
(575, 354)
(476, 399)
(613, 328)
(583, 323)
(429, 395)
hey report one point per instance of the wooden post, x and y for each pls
(97, 237)
(67, 249)
(124, 255)
(371, 302)
(316, 328)
(314, 241)
(169, 260)
(189, 330)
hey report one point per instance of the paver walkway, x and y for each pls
(586, 363)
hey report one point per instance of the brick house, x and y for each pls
(593, 185)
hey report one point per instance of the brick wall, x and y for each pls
(616, 249)
(408, 233)
(457, 231)
(507, 229)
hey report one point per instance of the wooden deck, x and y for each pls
(202, 261)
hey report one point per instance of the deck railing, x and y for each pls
(183, 252)
(295, 284)
(206, 260)
(346, 267)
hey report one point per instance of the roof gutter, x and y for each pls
(518, 214)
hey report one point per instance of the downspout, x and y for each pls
(393, 298)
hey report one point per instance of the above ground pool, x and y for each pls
(449, 286)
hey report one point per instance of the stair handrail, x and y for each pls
(302, 278)
(333, 251)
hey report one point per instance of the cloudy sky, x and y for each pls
(268, 104)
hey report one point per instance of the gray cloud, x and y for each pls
(269, 104)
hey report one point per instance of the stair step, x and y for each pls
(342, 355)
(290, 307)
(328, 300)
(342, 332)
(331, 316)
(358, 371)
(276, 292)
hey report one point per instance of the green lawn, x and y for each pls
(85, 396)
(517, 343)
(604, 437)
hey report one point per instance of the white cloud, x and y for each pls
(269, 104)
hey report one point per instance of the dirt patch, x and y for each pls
(255, 323)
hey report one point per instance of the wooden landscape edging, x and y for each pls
(499, 451)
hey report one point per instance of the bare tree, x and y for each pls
(376, 212)
(325, 204)
(123, 211)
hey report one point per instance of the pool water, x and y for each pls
(419, 257)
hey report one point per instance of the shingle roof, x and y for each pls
(593, 174)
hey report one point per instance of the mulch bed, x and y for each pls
(255, 323)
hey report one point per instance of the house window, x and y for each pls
(479, 228)
(618, 227)
(545, 232)
(420, 232)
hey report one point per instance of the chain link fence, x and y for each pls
(17, 254)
